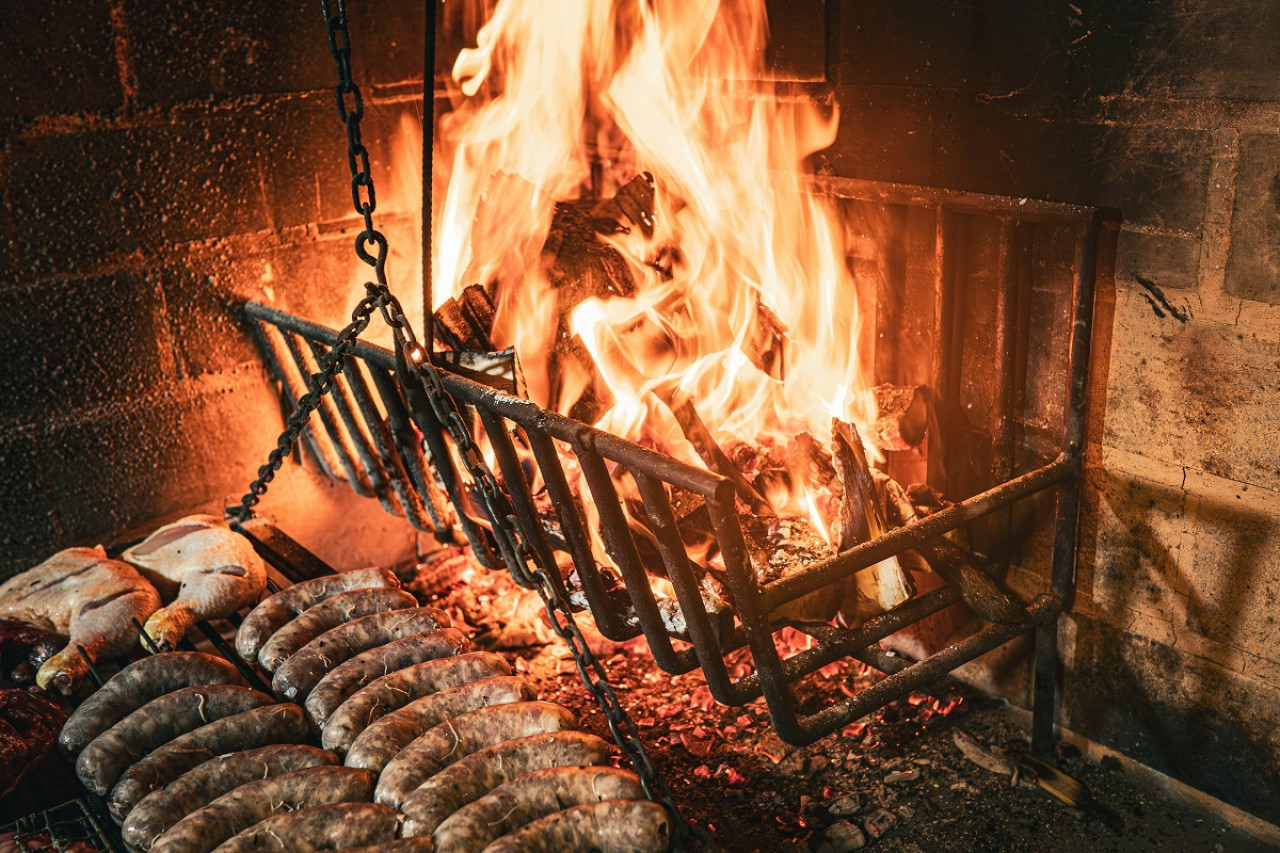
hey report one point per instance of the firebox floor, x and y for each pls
(897, 781)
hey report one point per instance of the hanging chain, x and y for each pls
(516, 553)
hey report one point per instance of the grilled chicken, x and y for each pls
(80, 594)
(209, 571)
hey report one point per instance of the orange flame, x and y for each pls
(676, 88)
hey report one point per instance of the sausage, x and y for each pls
(333, 827)
(155, 724)
(295, 677)
(346, 678)
(613, 826)
(383, 741)
(330, 613)
(470, 778)
(136, 685)
(207, 827)
(535, 795)
(418, 844)
(200, 786)
(397, 689)
(274, 611)
(259, 727)
(445, 743)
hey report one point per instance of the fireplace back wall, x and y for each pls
(161, 164)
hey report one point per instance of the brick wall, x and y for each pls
(159, 164)
(1169, 111)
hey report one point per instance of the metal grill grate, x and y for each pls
(370, 441)
(67, 827)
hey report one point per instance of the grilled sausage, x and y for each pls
(207, 827)
(445, 743)
(155, 724)
(384, 740)
(136, 685)
(419, 844)
(397, 689)
(333, 827)
(295, 677)
(330, 613)
(346, 678)
(614, 826)
(200, 786)
(274, 611)
(259, 727)
(535, 795)
(470, 778)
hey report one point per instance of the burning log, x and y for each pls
(882, 586)
(903, 417)
(465, 324)
(766, 343)
(633, 203)
(500, 370)
(958, 567)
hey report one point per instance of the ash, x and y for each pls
(927, 773)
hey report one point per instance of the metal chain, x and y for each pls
(516, 553)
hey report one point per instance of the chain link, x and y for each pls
(515, 552)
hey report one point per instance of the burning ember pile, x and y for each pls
(623, 216)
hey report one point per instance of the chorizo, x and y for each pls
(613, 826)
(201, 785)
(535, 795)
(348, 677)
(383, 741)
(136, 685)
(258, 727)
(330, 613)
(207, 827)
(337, 826)
(470, 778)
(397, 689)
(445, 743)
(295, 677)
(155, 724)
(275, 610)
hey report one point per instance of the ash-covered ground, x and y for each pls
(924, 774)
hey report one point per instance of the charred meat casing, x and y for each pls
(613, 826)
(330, 613)
(273, 612)
(338, 826)
(201, 785)
(397, 689)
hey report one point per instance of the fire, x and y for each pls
(736, 251)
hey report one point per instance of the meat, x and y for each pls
(207, 827)
(28, 727)
(385, 738)
(155, 724)
(613, 826)
(470, 778)
(80, 594)
(22, 650)
(275, 611)
(530, 797)
(400, 845)
(346, 678)
(301, 672)
(397, 689)
(333, 827)
(449, 741)
(137, 684)
(200, 786)
(259, 727)
(330, 613)
(212, 570)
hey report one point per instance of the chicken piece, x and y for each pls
(79, 593)
(203, 568)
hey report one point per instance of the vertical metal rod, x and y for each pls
(1006, 355)
(574, 527)
(293, 386)
(428, 139)
(93, 670)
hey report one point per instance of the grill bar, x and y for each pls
(592, 531)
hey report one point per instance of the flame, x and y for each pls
(557, 102)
